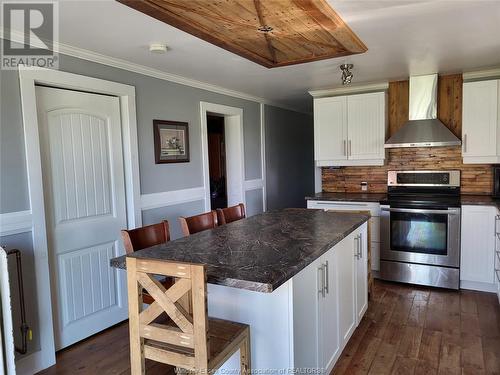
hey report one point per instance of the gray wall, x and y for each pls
(289, 157)
(155, 99)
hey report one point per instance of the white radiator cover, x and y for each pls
(7, 363)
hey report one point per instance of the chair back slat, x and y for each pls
(185, 344)
(230, 214)
(198, 223)
(149, 235)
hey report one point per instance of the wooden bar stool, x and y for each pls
(230, 214)
(198, 223)
(190, 341)
(141, 238)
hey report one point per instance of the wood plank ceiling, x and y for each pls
(299, 31)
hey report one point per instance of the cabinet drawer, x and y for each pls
(373, 207)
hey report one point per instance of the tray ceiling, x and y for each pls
(299, 30)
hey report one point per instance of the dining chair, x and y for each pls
(198, 223)
(190, 341)
(230, 214)
(143, 237)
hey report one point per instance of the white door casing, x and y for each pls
(28, 77)
(82, 166)
(235, 163)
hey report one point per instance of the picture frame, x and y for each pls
(171, 140)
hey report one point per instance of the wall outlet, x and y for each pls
(364, 186)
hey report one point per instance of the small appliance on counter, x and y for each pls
(420, 228)
(496, 181)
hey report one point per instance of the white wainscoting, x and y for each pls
(22, 221)
(171, 198)
(15, 222)
(254, 184)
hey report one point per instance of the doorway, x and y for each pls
(85, 207)
(29, 78)
(217, 161)
(228, 123)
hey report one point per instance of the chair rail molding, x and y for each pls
(170, 198)
(15, 222)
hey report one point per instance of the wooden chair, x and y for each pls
(140, 238)
(198, 223)
(191, 341)
(230, 214)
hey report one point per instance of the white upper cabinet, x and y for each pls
(330, 128)
(481, 122)
(350, 130)
(366, 130)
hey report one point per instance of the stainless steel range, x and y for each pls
(420, 228)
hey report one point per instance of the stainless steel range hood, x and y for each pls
(424, 128)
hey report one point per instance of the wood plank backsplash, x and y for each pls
(476, 179)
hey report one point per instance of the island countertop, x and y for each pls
(259, 253)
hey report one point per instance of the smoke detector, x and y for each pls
(158, 48)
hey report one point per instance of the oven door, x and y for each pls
(424, 236)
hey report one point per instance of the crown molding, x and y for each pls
(84, 54)
(479, 74)
(382, 86)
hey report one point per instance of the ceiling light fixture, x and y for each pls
(265, 29)
(158, 48)
(347, 75)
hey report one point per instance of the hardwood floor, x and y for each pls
(406, 330)
(418, 330)
(102, 354)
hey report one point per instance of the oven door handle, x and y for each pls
(421, 211)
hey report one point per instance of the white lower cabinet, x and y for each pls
(330, 298)
(477, 258)
(374, 209)
(497, 253)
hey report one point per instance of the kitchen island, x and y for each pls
(298, 277)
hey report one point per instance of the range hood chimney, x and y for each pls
(424, 128)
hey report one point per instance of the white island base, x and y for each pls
(304, 325)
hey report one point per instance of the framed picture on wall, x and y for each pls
(171, 141)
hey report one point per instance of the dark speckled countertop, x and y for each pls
(259, 253)
(483, 200)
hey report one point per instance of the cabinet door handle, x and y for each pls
(465, 143)
(497, 220)
(356, 253)
(321, 280)
(360, 244)
(327, 283)
(349, 153)
(345, 148)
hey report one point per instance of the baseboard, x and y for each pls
(479, 286)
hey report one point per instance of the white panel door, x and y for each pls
(366, 131)
(478, 244)
(329, 325)
(330, 128)
(82, 163)
(362, 275)
(346, 281)
(480, 116)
